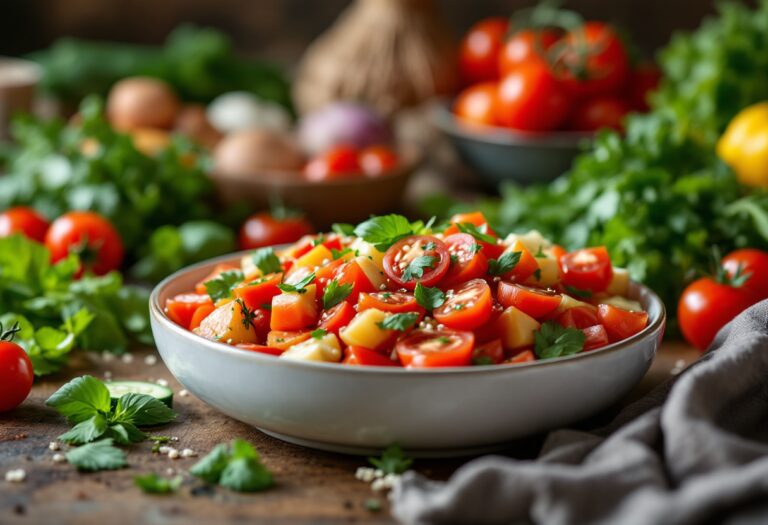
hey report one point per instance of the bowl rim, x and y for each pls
(158, 314)
(445, 120)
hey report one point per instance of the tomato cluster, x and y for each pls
(547, 79)
(86, 234)
(347, 161)
(458, 297)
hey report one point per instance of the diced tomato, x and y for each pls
(283, 340)
(201, 313)
(182, 307)
(261, 349)
(523, 357)
(580, 317)
(621, 324)
(556, 252)
(394, 302)
(360, 356)
(294, 311)
(351, 273)
(587, 269)
(217, 271)
(259, 292)
(428, 349)
(490, 250)
(417, 259)
(468, 308)
(467, 260)
(491, 352)
(325, 274)
(337, 317)
(595, 337)
(525, 267)
(533, 301)
(490, 330)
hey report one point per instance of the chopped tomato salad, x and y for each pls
(395, 293)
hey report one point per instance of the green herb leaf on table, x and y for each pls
(235, 466)
(504, 264)
(335, 293)
(392, 460)
(99, 455)
(299, 287)
(142, 410)
(415, 269)
(153, 484)
(429, 298)
(400, 322)
(221, 287)
(81, 399)
(553, 340)
(266, 261)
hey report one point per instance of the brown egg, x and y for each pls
(142, 102)
(252, 151)
(150, 141)
(193, 123)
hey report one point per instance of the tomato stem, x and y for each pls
(8, 335)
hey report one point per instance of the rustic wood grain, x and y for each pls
(312, 486)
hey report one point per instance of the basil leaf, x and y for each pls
(81, 399)
(429, 298)
(85, 431)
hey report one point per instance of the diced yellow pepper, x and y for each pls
(364, 330)
(324, 349)
(619, 283)
(516, 328)
(226, 324)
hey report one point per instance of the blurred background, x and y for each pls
(281, 29)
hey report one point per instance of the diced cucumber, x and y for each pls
(118, 388)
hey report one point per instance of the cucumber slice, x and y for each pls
(118, 388)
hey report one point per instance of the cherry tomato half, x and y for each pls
(88, 235)
(526, 46)
(477, 104)
(587, 269)
(490, 353)
(580, 317)
(25, 221)
(467, 260)
(417, 259)
(595, 337)
(531, 99)
(619, 323)
(753, 263)
(360, 356)
(394, 302)
(337, 317)
(535, 302)
(264, 229)
(338, 162)
(468, 307)
(16, 373)
(378, 160)
(479, 51)
(428, 349)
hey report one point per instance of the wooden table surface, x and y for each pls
(312, 486)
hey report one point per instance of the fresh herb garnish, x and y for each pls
(338, 254)
(265, 260)
(429, 298)
(85, 402)
(372, 505)
(386, 230)
(400, 322)
(578, 292)
(553, 340)
(319, 333)
(248, 316)
(343, 229)
(482, 360)
(478, 233)
(300, 287)
(320, 239)
(415, 270)
(537, 274)
(504, 264)
(221, 287)
(392, 461)
(235, 466)
(99, 455)
(334, 293)
(153, 484)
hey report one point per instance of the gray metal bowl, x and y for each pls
(499, 154)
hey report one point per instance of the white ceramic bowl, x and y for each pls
(435, 412)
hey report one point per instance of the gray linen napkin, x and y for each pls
(694, 450)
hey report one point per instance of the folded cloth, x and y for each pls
(694, 450)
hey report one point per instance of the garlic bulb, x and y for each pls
(389, 54)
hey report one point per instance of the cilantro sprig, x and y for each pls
(481, 233)
(504, 264)
(153, 484)
(415, 269)
(392, 460)
(265, 260)
(221, 287)
(99, 455)
(553, 340)
(400, 322)
(236, 466)
(335, 293)
(429, 298)
(299, 287)
(386, 230)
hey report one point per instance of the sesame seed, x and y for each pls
(53, 446)
(127, 358)
(150, 360)
(183, 392)
(162, 382)
(16, 476)
(59, 458)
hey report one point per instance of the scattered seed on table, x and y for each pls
(127, 358)
(53, 446)
(188, 453)
(183, 392)
(174, 454)
(162, 382)
(59, 458)
(16, 476)
(150, 360)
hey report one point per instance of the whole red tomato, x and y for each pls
(91, 237)
(478, 104)
(599, 113)
(752, 264)
(378, 160)
(643, 81)
(531, 99)
(264, 229)
(524, 46)
(25, 221)
(16, 373)
(706, 306)
(479, 51)
(594, 61)
(340, 161)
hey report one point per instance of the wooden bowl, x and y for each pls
(352, 199)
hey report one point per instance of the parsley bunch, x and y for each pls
(235, 466)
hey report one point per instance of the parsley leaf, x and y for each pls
(504, 264)
(221, 287)
(578, 292)
(99, 455)
(343, 229)
(235, 466)
(319, 333)
(386, 230)
(429, 298)
(154, 484)
(392, 460)
(266, 261)
(553, 340)
(537, 274)
(81, 399)
(400, 322)
(478, 233)
(415, 270)
(300, 287)
(141, 409)
(334, 293)
(338, 254)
